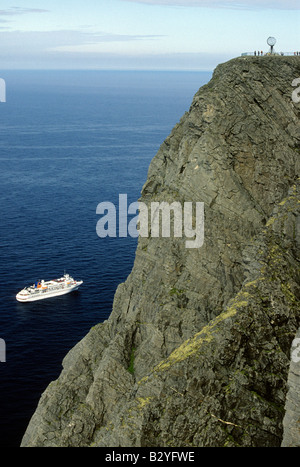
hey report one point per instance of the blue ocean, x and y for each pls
(69, 140)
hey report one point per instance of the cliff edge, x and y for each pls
(197, 349)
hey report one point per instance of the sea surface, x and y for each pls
(69, 140)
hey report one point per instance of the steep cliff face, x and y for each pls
(205, 332)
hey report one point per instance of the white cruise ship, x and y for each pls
(43, 289)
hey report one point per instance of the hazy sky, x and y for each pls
(141, 34)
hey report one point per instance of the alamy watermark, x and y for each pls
(161, 219)
(295, 355)
(2, 90)
(296, 92)
(2, 351)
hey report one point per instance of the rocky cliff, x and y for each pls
(196, 351)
